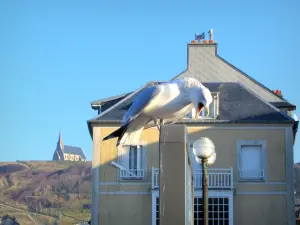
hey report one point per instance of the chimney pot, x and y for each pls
(278, 92)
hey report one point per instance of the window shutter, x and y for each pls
(251, 158)
(124, 156)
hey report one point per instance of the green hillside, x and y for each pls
(44, 192)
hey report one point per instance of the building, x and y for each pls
(251, 181)
(67, 153)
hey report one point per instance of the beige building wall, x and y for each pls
(260, 209)
(250, 205)
(125, 209)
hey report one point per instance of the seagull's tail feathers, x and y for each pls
(117, 133)
(131, 136)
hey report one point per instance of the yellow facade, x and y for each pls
(256, 202)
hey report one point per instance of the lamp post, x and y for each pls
(204, 151)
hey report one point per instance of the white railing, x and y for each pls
(132, 173)
(252, 174)
(155, 178)
(217, 178)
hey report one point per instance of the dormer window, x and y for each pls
(213, 108)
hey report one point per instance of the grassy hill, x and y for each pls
(49, 192)
(44, 192)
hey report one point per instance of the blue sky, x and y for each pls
(57, 56)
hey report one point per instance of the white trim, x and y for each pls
(125, 193)
(261, 183)
(198, 193)
(138, 183)
(263, 154)
(141, 163)
(261, 193)
(107, 183)
(227, 127)
(96, 175)
(289, 174)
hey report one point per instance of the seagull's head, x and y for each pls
(201, 98)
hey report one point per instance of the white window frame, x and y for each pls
(198, 194)
(214, 109)
(263, 173)
(127, 173)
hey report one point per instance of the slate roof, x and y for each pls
(108, 102)
(237, 104)
(74, 150)
(204, 64)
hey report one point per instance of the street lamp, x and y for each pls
(204, 151)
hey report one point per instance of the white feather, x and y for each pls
(168, 101)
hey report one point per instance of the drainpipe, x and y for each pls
(295, 128)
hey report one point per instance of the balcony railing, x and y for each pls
(132, 173)
(252, 174)
(217, 178)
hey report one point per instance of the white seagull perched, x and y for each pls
(161, 103)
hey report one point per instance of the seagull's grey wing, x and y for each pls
(140, 102)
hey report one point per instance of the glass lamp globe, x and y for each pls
(203, 148)
(211, 160)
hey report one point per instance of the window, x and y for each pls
(132, 160)
(213, 108)
(157, 211)
(251, 160)
(218, 211)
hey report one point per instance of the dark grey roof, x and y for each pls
(74, 150)
(108, 102)
(237, 104)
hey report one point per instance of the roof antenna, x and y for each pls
(211, 35)
(200, 37)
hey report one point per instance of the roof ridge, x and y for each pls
(121, 101)
(264, 101)
(73, 146)
(249, 77)
(110, 98)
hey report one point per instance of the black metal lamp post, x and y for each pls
(204, 151)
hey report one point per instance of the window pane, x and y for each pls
(132, 157)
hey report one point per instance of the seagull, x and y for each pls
(164, 102)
